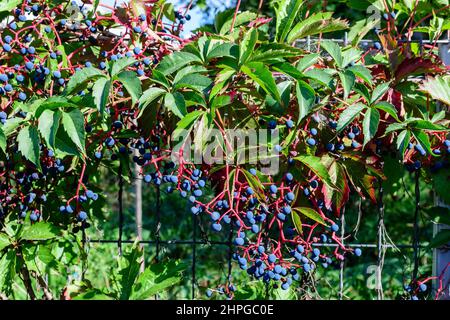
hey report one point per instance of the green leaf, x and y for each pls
(52, 103)
(347, 80)
(307, 61)
(2, 140)
(379, 92)
(254, 183)
(175, 103)
(305, 97)
(361, 72)
(100, 93)
(81, 77)
(310, 213)
(156, 279)
(427, 125)
(423, 139)
(247, 45)
(223, 50)
(28, 140)
(350, 55)
(315, 24)
(394, 127)
(4, 241)
(193, 81)
(319, 169)
(93, 294)
(64, 144)
(403, 139)
(370, 124)
(8, 5)
(348, 115)
(161, 79)
(321, 76)
(288, 69)
(129, 266)
(39, 231)
(277, 108)
(7, 271)
(438, 88)
(442, 238)
(176, 61)
(148, 97)
(259, 73)
(73, 124)
(333, 50)
(120, 64)
(48, 126)
(184, 126)
(132, 84)
(297, 221)
(388, 108)
(286, 12)
(241, 18)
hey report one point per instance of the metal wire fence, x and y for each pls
(200, 236)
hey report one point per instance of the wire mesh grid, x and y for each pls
(379, 244)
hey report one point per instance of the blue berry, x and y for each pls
(272, 124)
(313, 131)
(33, 217)
(6, 47)
(290, 196)
(69, 209)
(216, 227)
(314, 184)
(334, 227)
(289, 124)
(358, 252)
(273, 189)
(82, 216)
(311, 142)
(272, 258)
(255, 228)
(215, 216)
(330, 147)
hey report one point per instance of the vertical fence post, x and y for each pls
(442, 257)
(138, 208)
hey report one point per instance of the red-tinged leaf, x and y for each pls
(360, 178)
(259, 22)
(413, 66)
(335, 199)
